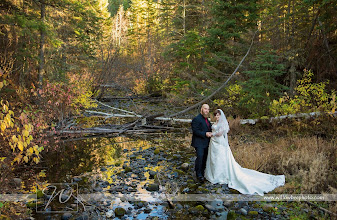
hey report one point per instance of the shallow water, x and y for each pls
(97, 166)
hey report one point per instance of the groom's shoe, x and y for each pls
(201, 179)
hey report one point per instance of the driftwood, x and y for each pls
(138, 126)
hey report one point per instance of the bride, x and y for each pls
(222, 168)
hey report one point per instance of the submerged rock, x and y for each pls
(120, 211)
(66, 216)
(152, 187)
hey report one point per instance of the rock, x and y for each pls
(66, 216)
(179, 206)
(120, 211)
(104, 184)
(253, 213)
(268, 207)
(147, 210)
(227, 203)
(17, 181)
(152, 187)
(200, 208)
(222, 215)
(109, 213)
(196, 209)
(186, 190)
(156, 151)
(127, 169)
(152, 174)
(210, 208)
(243, 211)
(83, 216)
(77, 179)
(97, 189)
(103, 169)
(184, 166)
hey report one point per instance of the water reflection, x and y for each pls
(119, 166)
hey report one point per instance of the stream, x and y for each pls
(130, 177)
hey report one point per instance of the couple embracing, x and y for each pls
(215, 160)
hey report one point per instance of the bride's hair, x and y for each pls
(217, 111)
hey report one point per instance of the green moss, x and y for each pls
(39, 194)
(156, 151)
(199, 208)
(268, 208)
(253, 213)
(180, 172)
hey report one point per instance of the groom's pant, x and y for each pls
(200, 162)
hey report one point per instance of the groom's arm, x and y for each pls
(196, 128)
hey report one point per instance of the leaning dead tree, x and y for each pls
(221, 87)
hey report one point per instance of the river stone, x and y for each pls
(127, 169)
(210, 208)
(184, 166)
(77, 179)
(152, 174)
(83, 216)
(147, 210)
(17, 181)
(268, 207)
(109, 213)
(152, 187)
(120, 211)
(66, 216)
(243, 211)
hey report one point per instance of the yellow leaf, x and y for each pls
(14, 138)
(3, 126)
(5, 108)
(26, 159)
(36, 160)
(20, 145)
(10, 112)
(25, 133)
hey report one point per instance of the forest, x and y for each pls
(61, 58)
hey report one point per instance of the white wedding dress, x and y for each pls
(222, 168)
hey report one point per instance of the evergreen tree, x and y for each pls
(262, 85)
(231, 19)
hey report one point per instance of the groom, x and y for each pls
(201, 128)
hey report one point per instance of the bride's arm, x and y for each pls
(218, 133)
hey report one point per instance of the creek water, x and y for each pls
(104, 169)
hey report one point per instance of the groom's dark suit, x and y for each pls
(200, 142)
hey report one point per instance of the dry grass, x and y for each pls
(309, 163)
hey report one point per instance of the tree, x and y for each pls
(231, 19)
(262, 85)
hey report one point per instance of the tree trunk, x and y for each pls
(42, 45)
